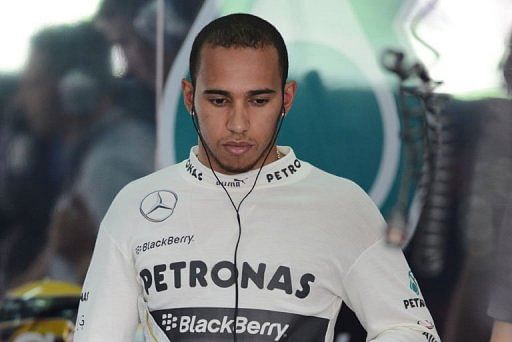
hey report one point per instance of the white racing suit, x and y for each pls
(309, 242)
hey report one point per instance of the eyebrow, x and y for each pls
(251, 92)
(216, 92)
(261, 92)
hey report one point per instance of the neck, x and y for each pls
(288, 168)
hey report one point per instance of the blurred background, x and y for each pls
(409, 98)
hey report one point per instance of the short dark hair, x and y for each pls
(239, 30)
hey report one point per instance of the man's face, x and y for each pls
(238, 100)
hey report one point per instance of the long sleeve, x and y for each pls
(108, 305)
(385, 296)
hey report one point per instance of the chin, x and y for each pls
(238, 166)
(235, 169)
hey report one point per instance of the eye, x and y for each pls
(260, 101)
(218, 101)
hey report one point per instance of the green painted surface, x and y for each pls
(236, 6)
(334, 125)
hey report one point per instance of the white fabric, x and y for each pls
(315, 239)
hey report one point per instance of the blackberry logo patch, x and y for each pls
(218, 324)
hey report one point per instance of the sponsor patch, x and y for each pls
(429, 337)
(426, 323)
(80, 323)
(193, 171)
(413, 284)
(164, 242)
(234, 183)
(216, 324)
(196, 273)
(284, 172)
(414, 303)
(158, 205)
(84, 296)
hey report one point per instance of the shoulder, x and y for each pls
(359, 219)
(158, 180)
(335, 187)
(125, 208)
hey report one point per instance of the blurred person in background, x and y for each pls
(500, 305)
(31, 169)
(115, 20)
(130, 25)
(8, 86)
(485, 275)
(66, 93)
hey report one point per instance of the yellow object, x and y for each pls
(40, 311)
(44, 330)
(45, 289)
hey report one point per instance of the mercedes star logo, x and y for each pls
(158, 205)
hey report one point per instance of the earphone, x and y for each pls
(195, 122)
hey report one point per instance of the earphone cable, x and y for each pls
(237, 208)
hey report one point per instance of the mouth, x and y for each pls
(237, 148)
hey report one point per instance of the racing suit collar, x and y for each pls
(284, 170)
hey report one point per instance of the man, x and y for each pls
(482, 295)
(243, 241)
(130, 26)
(36, 136)
(94, 149)
(500, 304)
(115, 21)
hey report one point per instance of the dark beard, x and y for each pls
(232, 170)
(265, 152)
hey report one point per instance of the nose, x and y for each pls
(238, 121)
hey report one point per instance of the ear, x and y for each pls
(188, 94)
(290, 88)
